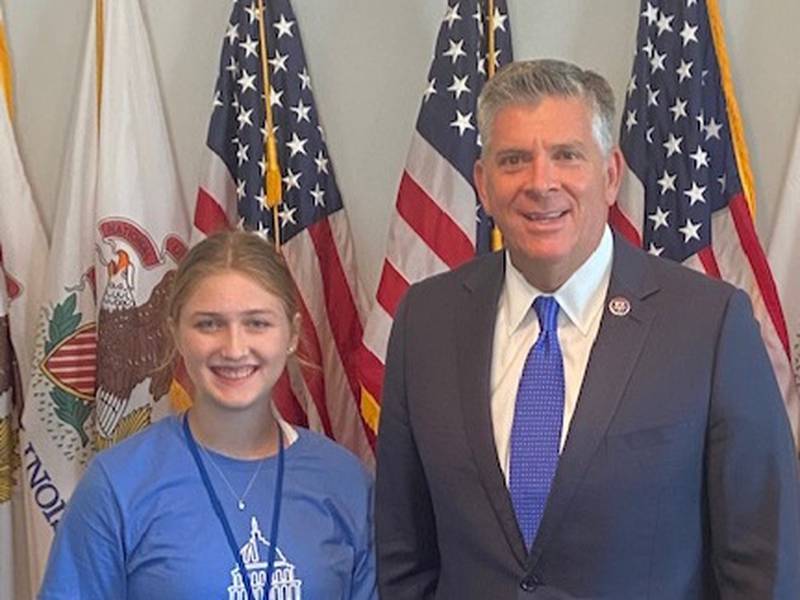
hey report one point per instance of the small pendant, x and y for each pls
(241, 504)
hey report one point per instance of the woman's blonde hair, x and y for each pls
(239, 251)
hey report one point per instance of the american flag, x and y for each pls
(689, 190)
(438, 222)
(314, 230)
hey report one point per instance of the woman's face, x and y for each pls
(234, 337)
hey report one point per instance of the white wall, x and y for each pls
(368, 60)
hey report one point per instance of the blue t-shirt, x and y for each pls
(140, 525)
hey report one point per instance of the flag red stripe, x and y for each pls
(709, 262)
(340, 306)
(432, 224)
(73, 350)
(310, 351)
(620, 222)
(391, 288)
(758, 262)
(371, 371)
(287, 402)
(208, 214)
(57, 363)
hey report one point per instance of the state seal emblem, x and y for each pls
(101, 363)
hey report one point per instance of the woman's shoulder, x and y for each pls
(152, 443)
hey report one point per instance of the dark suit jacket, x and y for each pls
(678, 479)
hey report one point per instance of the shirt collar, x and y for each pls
(580, 297)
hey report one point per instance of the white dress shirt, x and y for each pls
(581, 300)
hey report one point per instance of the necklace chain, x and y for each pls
(239, 499)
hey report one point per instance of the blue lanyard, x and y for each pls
(212, 496)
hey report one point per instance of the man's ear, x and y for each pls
(479, 177)
(615, 167)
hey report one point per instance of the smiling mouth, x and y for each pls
(234, 373)
(545, 217)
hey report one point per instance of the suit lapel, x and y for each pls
(475, 322)
(611, 363)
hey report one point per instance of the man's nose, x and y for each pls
(541, 174)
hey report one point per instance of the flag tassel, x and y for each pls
(272, 176)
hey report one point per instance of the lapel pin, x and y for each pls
(619, 306)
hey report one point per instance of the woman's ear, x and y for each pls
(295, 339)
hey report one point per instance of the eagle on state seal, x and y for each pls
(130, 344)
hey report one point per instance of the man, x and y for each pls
(574, 418)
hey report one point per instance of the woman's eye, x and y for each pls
(258, 324)
(206, 325)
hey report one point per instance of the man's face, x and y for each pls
(548, 186)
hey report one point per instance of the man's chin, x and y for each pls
(543, 255)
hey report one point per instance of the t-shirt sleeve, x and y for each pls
(364, 586)
(87, 559)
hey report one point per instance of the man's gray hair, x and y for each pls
(528, 82)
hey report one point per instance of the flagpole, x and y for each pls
(272, 175)
(734, 116)
(99, 36)
(6, 79)
(490, 39)
(497, 237)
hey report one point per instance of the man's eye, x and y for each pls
(567, 155)
(511, 160)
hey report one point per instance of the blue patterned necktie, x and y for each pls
(538, 416)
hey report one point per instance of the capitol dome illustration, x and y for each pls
(284, 584)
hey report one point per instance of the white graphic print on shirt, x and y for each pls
(284, 584)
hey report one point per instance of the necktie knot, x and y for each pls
(546, 308)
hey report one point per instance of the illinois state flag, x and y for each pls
(784, 257)
(120, 228)
(23, 250)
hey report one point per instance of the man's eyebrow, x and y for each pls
(512, 150)
(570, 144)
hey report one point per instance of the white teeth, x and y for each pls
(234, 372)
(547, 216)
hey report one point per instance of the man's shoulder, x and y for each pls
(676, 278)
(474, 270)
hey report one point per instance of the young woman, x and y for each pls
(225, 501)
